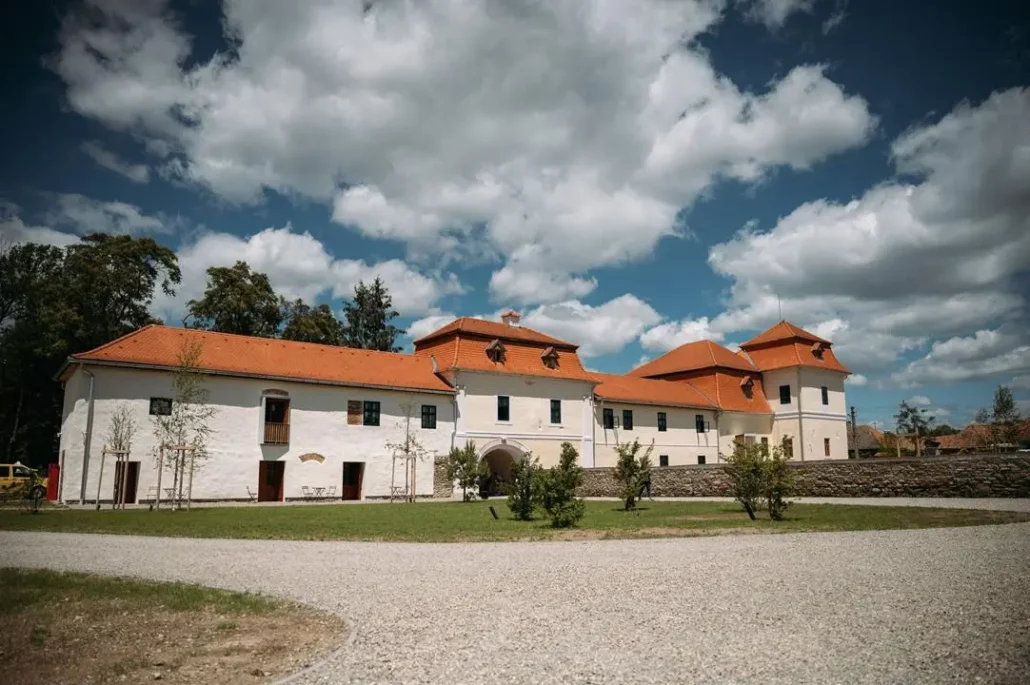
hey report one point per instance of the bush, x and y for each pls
(558, 489)
(761, 476)
(524, 488)
(464, 466)
(632, 472)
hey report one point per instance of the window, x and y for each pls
(550, 357)
(502, 408)
(429, 416)
(663, 459)
(160, 406)
(788, 447)
(277, 421)
(662, 422)
(21, 471)
(556, 411)
(354, 412)
(699, 423)
(495, 351)
(609, 419)
(826, 395)
(371, 413)
(826, 446)
(627, 419)
(765, 445)
(784, 394)
(700, 459)
(748, 386)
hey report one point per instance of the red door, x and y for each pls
(270, 481)
(352, 474)
(53, 482)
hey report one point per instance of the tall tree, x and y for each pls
(914, 421)
(1002, 418)
(311, 324)
(368, 317)
(237, 300)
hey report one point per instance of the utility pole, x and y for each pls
(854, 434)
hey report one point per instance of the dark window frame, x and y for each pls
(826, 396)
(699, 423)
(627, 419)
(555, 412)
(160, 406)
(663, 422)
(785, 399)
(608, 418)
(429, 416)
(663, 459)
(504, 408)
(370, 412)
(701, 459)
(826, 447)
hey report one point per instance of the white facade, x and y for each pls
(318, 426)
(680, 441)
(817, 429)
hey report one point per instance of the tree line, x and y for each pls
(57, 301)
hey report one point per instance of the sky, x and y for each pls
(630, 176)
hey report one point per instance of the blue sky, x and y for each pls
(630, 176)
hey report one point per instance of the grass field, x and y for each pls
(73, 627)
(456, 521)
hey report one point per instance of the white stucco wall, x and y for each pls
(529, 413)
(732, 424)
(318, 423)
(806, 417)
(681, 442)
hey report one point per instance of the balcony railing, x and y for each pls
(277, 434)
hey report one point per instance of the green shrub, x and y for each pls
(524, 488)
(632, 471)
(465, 467)
(558, 489)
(778, 482)
(761, 476)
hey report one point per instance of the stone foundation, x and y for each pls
(443, 488)
(987, 475)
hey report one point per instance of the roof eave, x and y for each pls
(709, 407)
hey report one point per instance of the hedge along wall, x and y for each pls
(986, 475)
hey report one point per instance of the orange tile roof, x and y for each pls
(783, 355)
(784, 330)
(646, 391)
(160, 346)
(492, 329)
(524, 359)
(702, 354)
(726, 388)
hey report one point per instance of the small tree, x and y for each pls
(558, 489)
(120, 431)
(915, 421)
(777, 481)
(524, 488)
(632, 471)
(186, 424)
(1002, 419)
(464, 466)
(410, 449)
(744, 468)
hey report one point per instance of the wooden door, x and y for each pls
(131, 482)
(270, 481)
(353, 471)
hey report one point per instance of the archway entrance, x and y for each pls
(498, 462)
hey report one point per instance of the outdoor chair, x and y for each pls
(330, 491)
(306, 491)
(251, 494)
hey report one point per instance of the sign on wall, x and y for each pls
(312, 456)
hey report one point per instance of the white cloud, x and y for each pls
(985, 354)
(14, 231)
(939, 412)
(138, 173)
(920, 401)
(667, 336)
(298, 265)
(88, 215)
(856, 379)
(562, 136)
(598, 330)
(936, 255)
(774, 13)
(1020, 382)
(428, 324)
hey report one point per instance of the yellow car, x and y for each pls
(16, 479)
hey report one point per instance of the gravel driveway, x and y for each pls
(927, 606)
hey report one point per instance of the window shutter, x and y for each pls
(354, 412)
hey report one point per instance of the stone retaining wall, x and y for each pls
(443, 488)
(986, 475)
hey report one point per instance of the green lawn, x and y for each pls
(456, 521)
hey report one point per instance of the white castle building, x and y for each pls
(291, 418)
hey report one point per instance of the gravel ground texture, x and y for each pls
(921, 606)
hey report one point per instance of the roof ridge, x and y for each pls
(120, 338)
(704, 394)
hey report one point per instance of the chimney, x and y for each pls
(511, 317)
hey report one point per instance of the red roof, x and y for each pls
(461, 352)
(787, 354)
(160, 346)
(726, 388)
(703, 354)
(646, 391)
(468, 326)
(784, 330)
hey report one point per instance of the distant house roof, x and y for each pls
(469, 326)
(702, 354)
(867, 438)
(160, 346)
(633, 390)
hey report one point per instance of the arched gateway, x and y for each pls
(499, 455)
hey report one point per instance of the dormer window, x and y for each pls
(818, 349)
(550, 357)
(495, 351)
(748, 386)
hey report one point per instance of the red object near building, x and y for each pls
(53, 482)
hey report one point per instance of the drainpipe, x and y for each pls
(801, 419)
(718, 438)
(89, 434)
